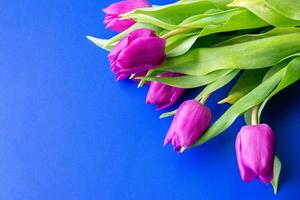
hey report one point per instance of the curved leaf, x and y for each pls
(169, 16)
(255, 97)
(211, 87)
(108, 44)
(263, 11)
(181, 46)
(276, 174)
(244, 55)
(242, 19)
(288, 8)
(99, 42)
(249, 80)
(189, 81)
(291, 75)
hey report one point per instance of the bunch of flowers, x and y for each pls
(196, 43)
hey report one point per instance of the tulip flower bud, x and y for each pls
(190, 122)
(113, 12)
(139, 51)
(163, 95)
(255, 150)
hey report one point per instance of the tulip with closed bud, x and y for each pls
(113, 12)
(190, 122)
(138, 52)
(255, 151)
(163, 95)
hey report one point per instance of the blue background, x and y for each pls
(69, 131)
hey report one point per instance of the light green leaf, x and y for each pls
(117, 38)
(212, 16)
(252, 37)
(169, 16)
(189, 81)
(255, 97)
(247, 117)
(241, 19)
(150, 73)
(108, 44)
(99, 42)
(276, 174)
(287, 8)
(291, 75)
(211, 87)
(168, 114)
(182, 46)
(244, 55)
(249, 80)
(263, 11)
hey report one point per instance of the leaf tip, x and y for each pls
(228, 99)
(277, 170)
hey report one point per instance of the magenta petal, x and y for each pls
(125, 6)
(113, 12)
(119, 25)
(135, 55)
(162, 95)
(255, 149)
(246, 174)
(190, 122)
(139, 51)
(124, 73)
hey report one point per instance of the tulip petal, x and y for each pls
(139, 51)
(134, 55)
(255, 148)
(163, 95)
(113, 12)
(125, 6)
(191, 120)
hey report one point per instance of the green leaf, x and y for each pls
(287, 8)
(181, 46)
(168, 114)
(255, 97)
(240, 19)
(249, 80)
(247, 117)
(212, 16)
(220, 2)
(150, 73)
(117, 38)
(169, 16)
(252, 37)
(276, 174)
(273, 70)
(211, 87)
(189, 81)
(244, 55)
(263, 11)
(99, 42)
(291, 75)
(108, 44)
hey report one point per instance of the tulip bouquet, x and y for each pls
(209, 43)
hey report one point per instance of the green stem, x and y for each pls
(175, 32)
(254, 115)
(204, 99)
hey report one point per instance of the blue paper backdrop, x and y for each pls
(69, 131)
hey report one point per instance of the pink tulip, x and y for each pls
(163, 95)
(190, 122)
(255, 150)
(113, 12)
(139, 51)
